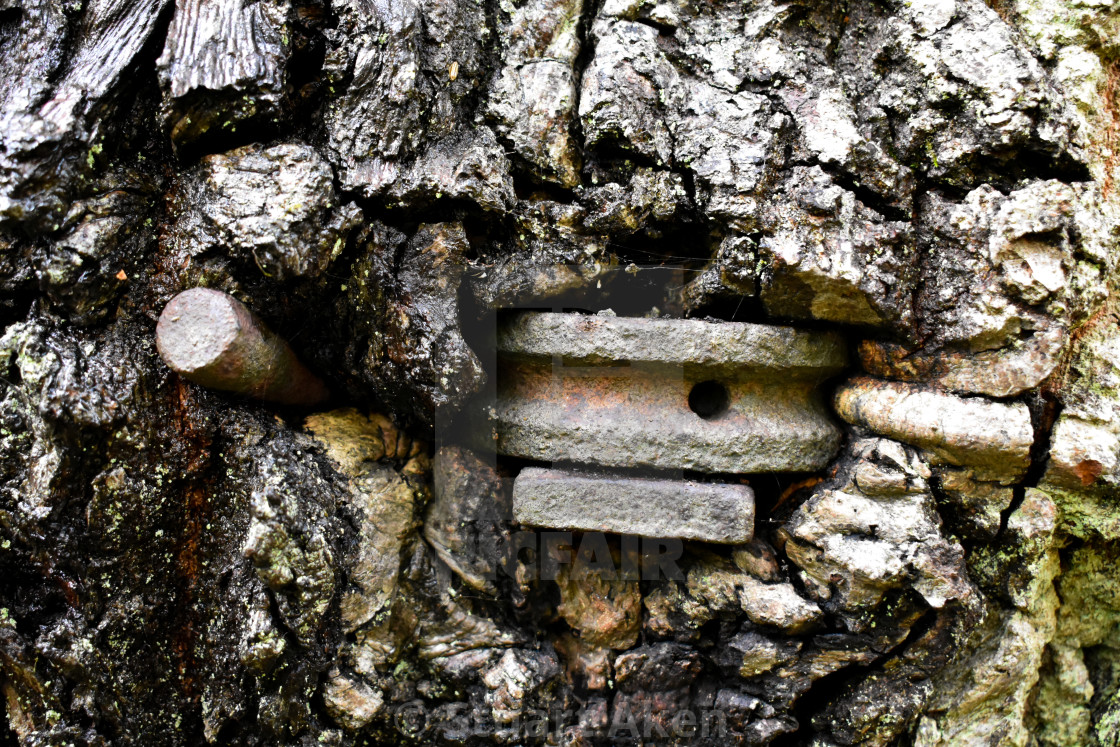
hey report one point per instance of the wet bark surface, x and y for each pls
(380, 183)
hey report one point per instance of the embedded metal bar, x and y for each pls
(993, 439)
(601, 338)
(212, 339)
(562, 499)
(665, 393)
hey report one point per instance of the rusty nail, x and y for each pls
(212, 339)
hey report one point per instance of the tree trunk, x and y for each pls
(301, 510)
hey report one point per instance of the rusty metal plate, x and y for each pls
(563, 499)
(681, 394)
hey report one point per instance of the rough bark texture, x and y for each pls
(934, 180)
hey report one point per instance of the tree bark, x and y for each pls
(930, 182)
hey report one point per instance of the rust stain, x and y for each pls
(1054, 384)
(66, 585)
(1003, 11)
(796, 487)
(1088, 471)
(1110, 105)
(195, 513)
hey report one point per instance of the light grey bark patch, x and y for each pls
(275, 207)
(871, 530)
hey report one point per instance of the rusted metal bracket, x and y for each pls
(660, 394)
(665, 393)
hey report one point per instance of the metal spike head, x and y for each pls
(214, 340)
